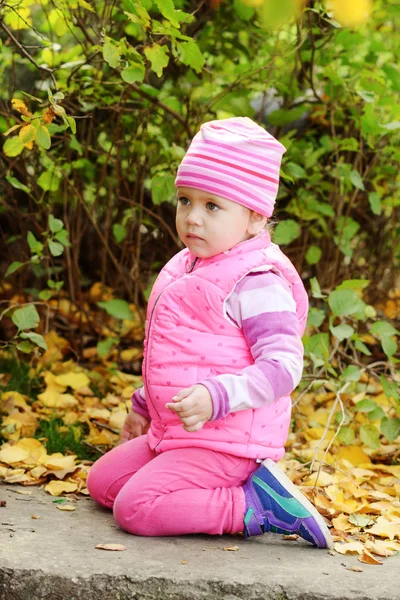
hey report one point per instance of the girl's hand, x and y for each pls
(134, 426)
(193, 406)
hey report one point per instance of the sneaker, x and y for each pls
(275, 504)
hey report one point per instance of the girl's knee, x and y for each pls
(135, 515)
(96, 487)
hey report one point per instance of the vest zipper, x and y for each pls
(148, 335)
(192, 265)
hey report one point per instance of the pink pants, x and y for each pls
(188, 490)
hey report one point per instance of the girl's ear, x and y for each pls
(257, 223)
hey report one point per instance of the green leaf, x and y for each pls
(55, 224)
(104, 347)
(13, 147)
(390, 388)
(375, 203)
(315, 288)
(162, 188)
(286, 232)
(26, 317)
(167, 9)
(389, 345)
(117, 308)
(383, 328)
(111, 53)
(135, 72)
(158, 57)
(390, 428)
(366, 406)
(316, 317)
(295, 170)
(36, 338)
(366, 96)
(25, 346)
(46, 294)
(119, 232)
(190, 55)
(346, 435)
(35, 246)
(243, 11)
(17, 184)
(376, 414)
(49, 181)
(313, 255)
(345, 302)
(72, 124)
(62, 237)
(43, 137)
(369, 436)
(56, 248)
(353, 284)
(351, 373)
(361, 347)
(360, 520)
(342, 331)
(13, 267)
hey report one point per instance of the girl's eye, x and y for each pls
(183, 200)
(211, 206)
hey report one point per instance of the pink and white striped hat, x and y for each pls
(235, 159)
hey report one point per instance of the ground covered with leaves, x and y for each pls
(58, 416)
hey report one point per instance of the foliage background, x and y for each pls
(106, 99)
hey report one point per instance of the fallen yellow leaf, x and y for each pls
(56, 488)
(12, 454)
(66, 507)
(349, 547)
(112, 547)
(73, 380)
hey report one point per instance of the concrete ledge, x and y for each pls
(54, 558)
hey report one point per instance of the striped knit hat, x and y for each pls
(235, 159)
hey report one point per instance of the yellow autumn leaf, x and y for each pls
(11, 400)
(112, 547)
(351, 13)
(73, 380)
(58, 462)
(342, 523)
(117, 418)
(354, 454)
(131, 354)
(385, 528)
(66, 507)
(56, 488)
(20, 106)
(349, 547)
(16, 476)
(321, 479)
(12, 454)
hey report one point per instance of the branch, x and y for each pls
(27, 55)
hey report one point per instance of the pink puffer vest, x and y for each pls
(188, 339)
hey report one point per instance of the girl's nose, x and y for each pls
(194, 217)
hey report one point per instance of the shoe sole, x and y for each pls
(269, 464)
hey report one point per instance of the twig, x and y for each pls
(96, 448)
(27, 55)
(342, 422)
(103, 426)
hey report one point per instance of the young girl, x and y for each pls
(222, 354)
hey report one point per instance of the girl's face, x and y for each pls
(209, 225)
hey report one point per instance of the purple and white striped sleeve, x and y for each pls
(139, 404)
(262, 305)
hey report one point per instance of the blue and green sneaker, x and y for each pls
(275, 504)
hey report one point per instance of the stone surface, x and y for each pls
(54, 558)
